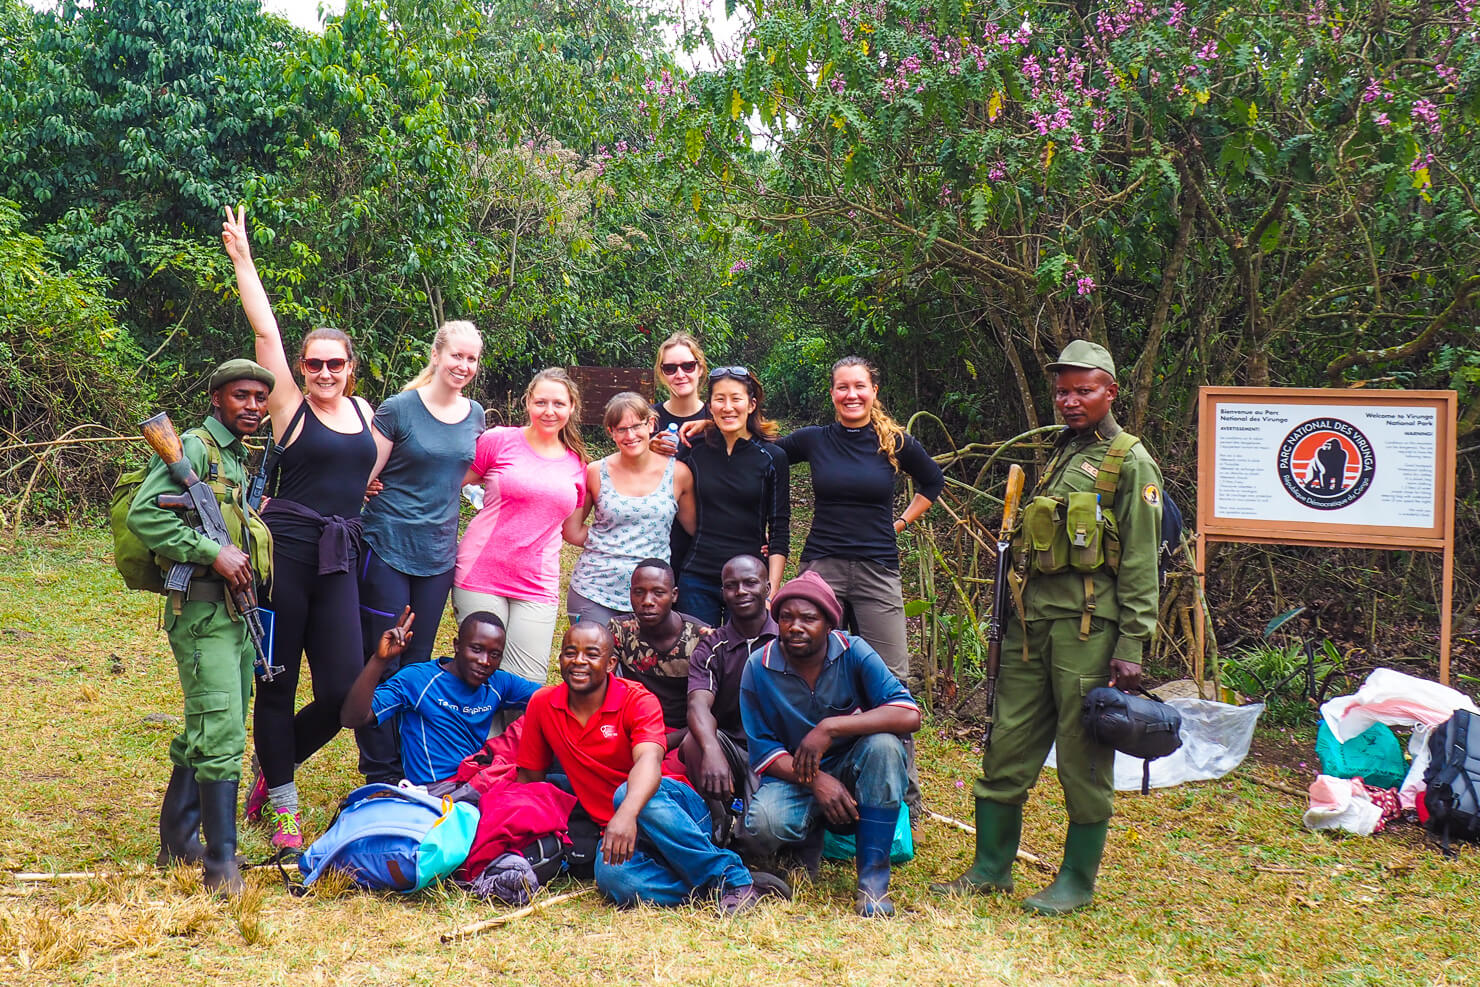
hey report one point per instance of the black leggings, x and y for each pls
(317, 616)
(384, 592)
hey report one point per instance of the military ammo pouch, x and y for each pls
(1141, 726)
(1073, 533)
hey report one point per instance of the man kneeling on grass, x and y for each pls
(824, 714)
(445, 708)
(607, 734)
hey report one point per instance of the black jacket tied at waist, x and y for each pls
(339, 537)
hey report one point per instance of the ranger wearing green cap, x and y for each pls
(1085, 591)
(212, 651)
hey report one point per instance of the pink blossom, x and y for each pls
(739, 265)
(1209, 51)
(1373, 92)
(837, 83)
(997, 172)
(1426, 112)
(1085, 285)
(1381, 119)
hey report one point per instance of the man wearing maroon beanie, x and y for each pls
(824, 714)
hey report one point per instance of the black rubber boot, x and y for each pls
(1075, 886)
(179, 821)
(874, 838)
(999, 828)
(218, 818)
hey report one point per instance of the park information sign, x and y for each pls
(1347, 468)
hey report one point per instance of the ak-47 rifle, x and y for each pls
(159, 432)
(996, 625)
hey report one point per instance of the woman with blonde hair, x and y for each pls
(327, 454)
(856, 462)
(534, 479)
(679, 369)
(636, 494)
(424, 438)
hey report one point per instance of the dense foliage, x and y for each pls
(1253, 192)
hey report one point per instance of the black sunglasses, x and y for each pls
(313, 364)
(687, 366)
(738, 373)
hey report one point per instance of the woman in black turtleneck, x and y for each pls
(855, 463)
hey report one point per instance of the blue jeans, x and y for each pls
(675, 859)
(700, 597)
(783, 812)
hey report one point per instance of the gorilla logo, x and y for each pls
(1326, 464)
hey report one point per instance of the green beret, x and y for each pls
(241, 369)
(1084, 355)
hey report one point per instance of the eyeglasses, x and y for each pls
(633, 429)
(687, 366)
(738, 373)
(314, 365)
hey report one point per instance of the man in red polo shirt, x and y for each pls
(607, 734)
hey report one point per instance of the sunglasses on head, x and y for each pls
(687, 366)
(314, 365)
(738, 373)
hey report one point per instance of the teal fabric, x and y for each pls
(837, 846)
(1373, 755)
(446, 845)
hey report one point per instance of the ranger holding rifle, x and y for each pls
(190, 511)
(1084, 587)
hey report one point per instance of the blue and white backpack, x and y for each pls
(393, 839)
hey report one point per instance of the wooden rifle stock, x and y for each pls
(160, 433)
(996, 626)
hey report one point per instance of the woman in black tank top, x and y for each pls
(314, 516)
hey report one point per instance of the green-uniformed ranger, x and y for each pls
(212, 650)
(1085, 558)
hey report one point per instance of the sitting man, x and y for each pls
(714, 753)
(654, 644)
(445, 707)
(607, 734)
(824, 715)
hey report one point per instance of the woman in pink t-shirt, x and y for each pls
(508, 562)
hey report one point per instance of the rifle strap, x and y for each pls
(1089, 606)
(1015, 587)
(1109, 470)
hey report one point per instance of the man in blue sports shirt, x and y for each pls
(445, 708)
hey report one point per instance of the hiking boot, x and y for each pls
(768, 885)
(999, 828)
(256, 797)
(218, 819)
(179, 821)
(287, 832)
(1084, 845)
(736, 900)
(875, 838)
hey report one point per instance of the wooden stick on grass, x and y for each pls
(41, 877)
(495, 922)
(1023, 855)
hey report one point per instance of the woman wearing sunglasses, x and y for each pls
(742, 492)
(328, 451)
(425, 436)
(637, 495)
(534, 479)
(856, 463)
(679, 369)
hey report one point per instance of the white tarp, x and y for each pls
(1215, 740)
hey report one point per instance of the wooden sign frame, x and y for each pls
(1438, 537)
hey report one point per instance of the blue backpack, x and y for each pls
(393, 839)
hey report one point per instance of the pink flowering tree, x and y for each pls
(1253, 191)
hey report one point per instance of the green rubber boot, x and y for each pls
(1075, 886)
(999, 827)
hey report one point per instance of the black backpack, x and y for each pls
(1452, 779)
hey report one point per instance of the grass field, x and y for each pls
(1210, 883)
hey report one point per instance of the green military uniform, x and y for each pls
(1073, 624)
(1084, 588)
(212, 651)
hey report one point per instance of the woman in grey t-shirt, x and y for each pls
(425, 436)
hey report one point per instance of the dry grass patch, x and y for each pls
(1212, 883)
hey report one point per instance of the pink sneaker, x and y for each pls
(287, 831)
(256, 799)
